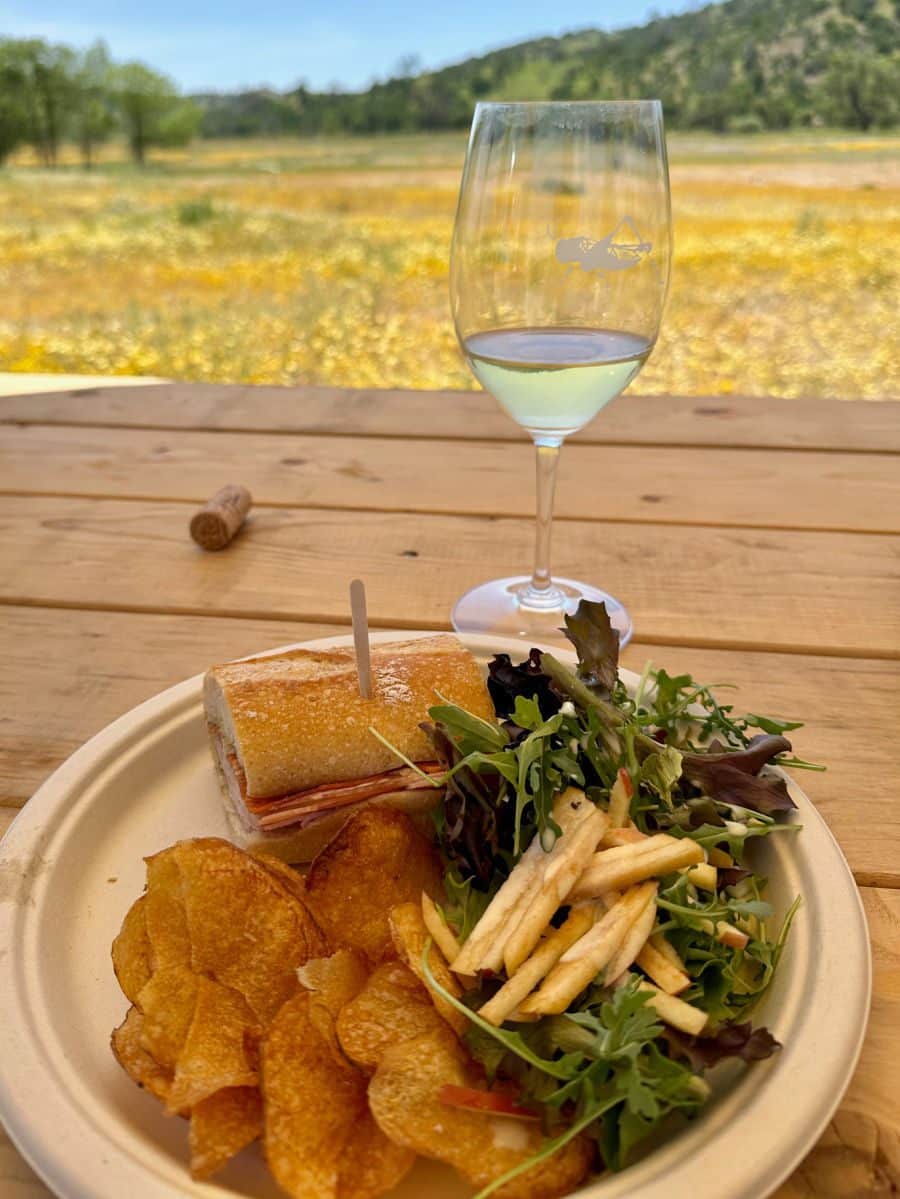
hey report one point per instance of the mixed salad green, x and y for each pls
(609, 1064)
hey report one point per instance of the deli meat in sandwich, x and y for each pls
(291, 736)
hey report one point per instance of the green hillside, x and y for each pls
(741, 65)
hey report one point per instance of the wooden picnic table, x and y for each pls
(754, 541)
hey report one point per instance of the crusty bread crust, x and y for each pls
(296, 720)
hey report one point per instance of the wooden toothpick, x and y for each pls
(361, 637)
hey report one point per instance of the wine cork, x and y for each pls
(221, 516)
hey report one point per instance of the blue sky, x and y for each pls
(225, 44)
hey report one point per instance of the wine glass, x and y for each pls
(558, 278)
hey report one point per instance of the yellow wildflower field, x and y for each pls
(327, 261)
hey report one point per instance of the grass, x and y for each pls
(326, 262)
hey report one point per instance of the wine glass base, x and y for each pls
(496, 607)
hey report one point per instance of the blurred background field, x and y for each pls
(324, 260)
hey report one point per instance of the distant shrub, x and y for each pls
(195, 212)
(747, 122)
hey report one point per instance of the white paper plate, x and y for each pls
(71, 865)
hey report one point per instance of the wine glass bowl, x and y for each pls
(559, 274)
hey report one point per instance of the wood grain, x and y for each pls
(859, 1155)
(723, 487)
(84, 669)
(748, 421)
(831, 593)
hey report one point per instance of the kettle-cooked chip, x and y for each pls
(131, 951)
(373, 1164)
(126, 1042)
(311, 1102)
(221, 1126)
(404, 1096)
(332, 982)
(319, 1138)
(410, 935)
(286, 875)
(247, 930)
(392, 1007)
(220, 1048)
(164, 913)
(168, 1001)
(378, 859)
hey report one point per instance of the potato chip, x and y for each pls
(372, 1164)
(404, 1099)
(392, 1007)
(335, 980)
(409, 935)
(131, 951)
(286, 875)
(221, 1126)
(164, 913)
(168, 1002)
(312, 1104)
(126, 1042)
(378, 860)
(220, 1049)
(247, 930)
(332, 982)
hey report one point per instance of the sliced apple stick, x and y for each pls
(544, 958)
(484, 948)
(620, 799)
(719, 858)
(562, 869)
(622, 836)
(635, 940)
(441, 933)
(727, 933)
(587, 957)
(703, 876)
(666, 976)
(683, 1016)
(612, 869)
(663, 945)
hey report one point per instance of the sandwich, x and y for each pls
(292, 742)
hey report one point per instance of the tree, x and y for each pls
(860, 91)
(93, 117)
(14, 123)
(153, 113)
(43, 75)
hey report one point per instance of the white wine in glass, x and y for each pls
(559, 275)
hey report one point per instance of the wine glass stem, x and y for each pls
(540, 592)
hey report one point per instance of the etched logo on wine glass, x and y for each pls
(618, 251)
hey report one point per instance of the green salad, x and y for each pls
(600, 1008)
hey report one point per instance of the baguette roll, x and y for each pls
(291, 738)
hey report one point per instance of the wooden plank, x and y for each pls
(858, 1157)
(68, 674)
(831, 593)
(17, 1179)
(748, 421)
(737, 488)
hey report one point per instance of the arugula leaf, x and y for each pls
(596, 643)
(470, 733)
(465, 904)
(732, 836)
(769, 724)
